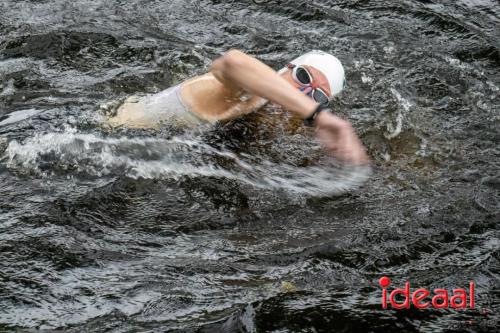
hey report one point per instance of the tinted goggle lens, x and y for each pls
(320, 96)
(302, 75)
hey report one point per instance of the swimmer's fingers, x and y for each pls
(340, 139)
(325, 137)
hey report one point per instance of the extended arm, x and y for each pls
(236, 69)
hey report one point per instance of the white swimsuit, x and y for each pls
(152, 110)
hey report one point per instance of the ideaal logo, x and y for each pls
(458, 299)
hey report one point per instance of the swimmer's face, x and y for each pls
(317, 76)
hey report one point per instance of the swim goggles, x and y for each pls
(302, 76)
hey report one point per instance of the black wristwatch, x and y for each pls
(309, 121)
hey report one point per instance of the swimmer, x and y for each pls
(238, 84)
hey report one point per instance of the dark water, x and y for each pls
(242, 227)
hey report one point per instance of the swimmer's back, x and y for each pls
(202, 99)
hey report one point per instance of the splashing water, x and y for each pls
(156, 158)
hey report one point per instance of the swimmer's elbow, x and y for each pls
(232, 60)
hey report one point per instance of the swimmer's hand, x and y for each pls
(340, 138)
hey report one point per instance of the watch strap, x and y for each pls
(309, 121)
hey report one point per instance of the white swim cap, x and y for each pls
(327, 64)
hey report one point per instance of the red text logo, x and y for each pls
(459, 298)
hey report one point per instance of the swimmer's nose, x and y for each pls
(307, 90)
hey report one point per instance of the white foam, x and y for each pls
(155, 158)
(16, 116)
(394, 131)
(8, 89)
(366, 79)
